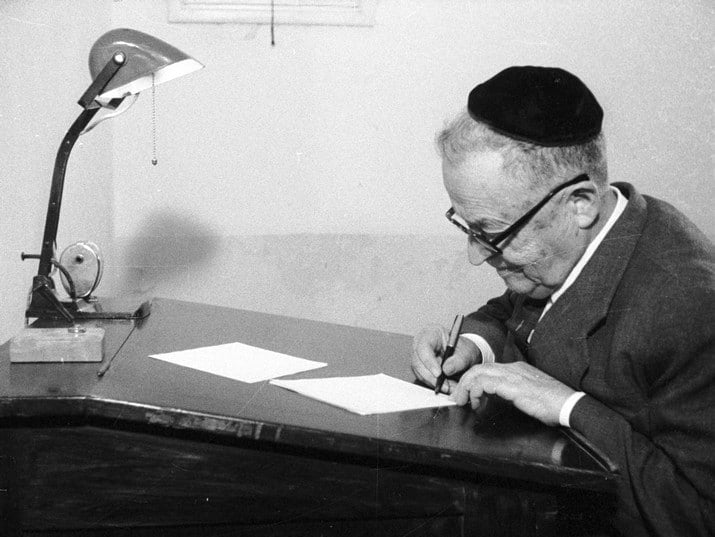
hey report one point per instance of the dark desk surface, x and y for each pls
(137, 389)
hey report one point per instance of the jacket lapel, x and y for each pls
(559, 345)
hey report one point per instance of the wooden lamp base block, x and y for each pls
(83, 344)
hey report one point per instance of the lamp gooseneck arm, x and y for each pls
(63, 154)
(58, 180)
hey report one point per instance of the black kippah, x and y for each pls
(542, 105)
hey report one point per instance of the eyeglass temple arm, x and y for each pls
(531, 212)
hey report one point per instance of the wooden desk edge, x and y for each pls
(89, 410)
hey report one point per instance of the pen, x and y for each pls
(451, 344)
(105, 366)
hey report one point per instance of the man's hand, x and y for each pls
(532, 391)
(427, 350)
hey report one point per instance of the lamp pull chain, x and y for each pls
(154, 160)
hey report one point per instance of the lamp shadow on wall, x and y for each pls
(167, 248)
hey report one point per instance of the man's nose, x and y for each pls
(477, 253)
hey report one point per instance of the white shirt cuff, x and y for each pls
(565, 413)
(484, 347)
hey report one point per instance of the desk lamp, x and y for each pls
(122, 63)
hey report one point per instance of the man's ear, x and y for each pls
(586, 204)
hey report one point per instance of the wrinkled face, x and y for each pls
(537, 259)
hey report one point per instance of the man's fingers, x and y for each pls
(427, 349)
(465, 355)
(449, 386)
(532, 391)
(459, 361)
(426, 353)
(479, 380)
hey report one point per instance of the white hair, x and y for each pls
(536, 166)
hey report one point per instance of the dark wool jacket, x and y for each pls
(636, 333)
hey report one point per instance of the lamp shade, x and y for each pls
(144, 56)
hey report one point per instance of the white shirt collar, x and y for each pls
(621, 203)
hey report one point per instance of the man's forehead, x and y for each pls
(483, 170)
(479, 184)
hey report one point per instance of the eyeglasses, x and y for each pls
(491, 244)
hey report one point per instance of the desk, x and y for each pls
(154, 449)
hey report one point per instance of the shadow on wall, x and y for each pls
(168, 246)
(386, 282)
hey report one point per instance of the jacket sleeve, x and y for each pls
(489, 321)
(665, 450)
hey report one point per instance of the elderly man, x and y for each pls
(607, 323)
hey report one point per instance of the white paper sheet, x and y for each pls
(239, 361)
(370, 394)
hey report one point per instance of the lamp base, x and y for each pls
(91, 310)
(45, 305)
(94, 310)
(74, 344)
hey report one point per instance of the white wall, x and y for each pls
(331, 130)
(43, 72)
(302, 179)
